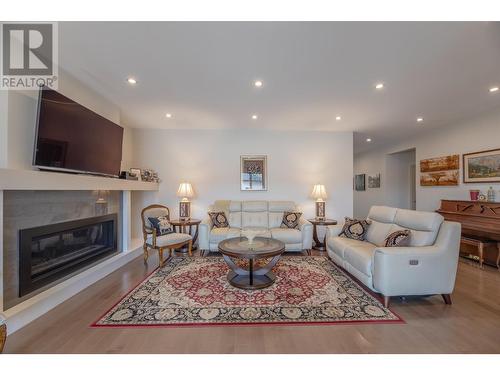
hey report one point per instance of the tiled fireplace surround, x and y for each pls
(27, 209)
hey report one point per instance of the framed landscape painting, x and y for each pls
(483, 166)
(442, 163)
(253, 173)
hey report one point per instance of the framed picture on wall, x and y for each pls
(483, 166)
(359, 182)
(253, 173)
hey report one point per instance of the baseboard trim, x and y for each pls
(29, 310)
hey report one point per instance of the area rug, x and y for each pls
(191, 291)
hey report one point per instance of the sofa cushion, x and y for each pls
(339, 244)
(398, 238)
(255, 219)
(219, 219)
(281, 206)
(360, 256)
(382, 214)
(424, 226)
(234, 219)
(264, 232)
(355, 229)
(169, 239)
(286, 235)
(219, 234)
(254, 206)
(377, 232)
(290, 219)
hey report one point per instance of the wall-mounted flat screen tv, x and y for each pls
(70, 137)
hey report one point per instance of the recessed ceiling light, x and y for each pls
(258, 83)
(338, 118)
(494, 89)
(168, 115)
(254, 117)
(131, 80)
(420, 119)
(368, 139)
(379, 86)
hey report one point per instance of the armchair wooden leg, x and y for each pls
(447, 298)
(190, 248)
(386, 301)
(160, 255)
(146, 254)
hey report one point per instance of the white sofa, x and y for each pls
(265, 216)
(428, 265)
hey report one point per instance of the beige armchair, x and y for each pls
(169, 241)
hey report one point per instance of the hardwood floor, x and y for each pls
(470, 325)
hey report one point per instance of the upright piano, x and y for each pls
(480, 227)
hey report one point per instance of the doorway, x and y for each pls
(401, 179)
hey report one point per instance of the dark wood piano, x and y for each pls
(480, 228)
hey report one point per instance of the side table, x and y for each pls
(180, 226)
(320, 245)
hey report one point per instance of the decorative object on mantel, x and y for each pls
(126, 175)
(474, 194)
(440, 171)
(374, 181)
(253, 173)
(135, 174)
(319, 193)
(359, 182)
(149, 175)
(482, 198)
(483, 166)
(185, 192)
(3, 331)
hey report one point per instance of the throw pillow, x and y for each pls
(397, 238)
(290, 219)
(355, 229)
(219, 219)
(161, 225)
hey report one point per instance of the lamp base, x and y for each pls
(320, 210)
(184, 210)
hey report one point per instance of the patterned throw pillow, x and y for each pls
(161, 225)
(355, 229)
(290, 219)
(397, 238)
(219, 219)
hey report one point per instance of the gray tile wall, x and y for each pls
(28, 209)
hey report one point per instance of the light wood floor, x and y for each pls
(470, 325)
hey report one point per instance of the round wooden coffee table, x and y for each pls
(251, 277)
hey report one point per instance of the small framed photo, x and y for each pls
(136, 172)
(359, 182)
(253, 173)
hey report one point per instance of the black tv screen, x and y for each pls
(71, 137)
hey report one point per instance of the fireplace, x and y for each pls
(50, 252)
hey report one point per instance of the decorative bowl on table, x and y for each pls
(250, 234)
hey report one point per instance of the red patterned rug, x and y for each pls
(195, 291)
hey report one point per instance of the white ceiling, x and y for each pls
(202, 73)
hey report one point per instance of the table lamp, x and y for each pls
(185, 192)
(319, 193)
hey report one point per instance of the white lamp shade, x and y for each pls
(319, 192)
(185, 190)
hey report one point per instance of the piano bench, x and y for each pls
(480, 244)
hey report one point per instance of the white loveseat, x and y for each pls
(265, 216)
(428, 265)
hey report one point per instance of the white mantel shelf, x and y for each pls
(13, 179)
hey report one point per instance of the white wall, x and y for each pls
(470, 135)
(17, 123)
(210, 160)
